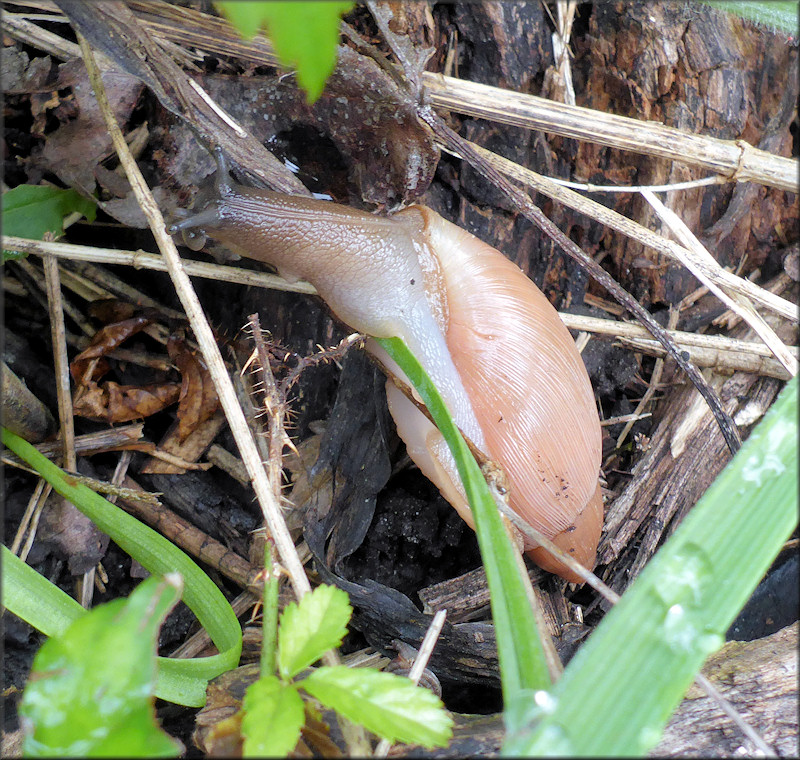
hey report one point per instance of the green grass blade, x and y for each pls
(522, 662)
(618, 692)
(181, 681)
(32, 597)
(773, 14)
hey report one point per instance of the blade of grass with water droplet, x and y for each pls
(618, 692)
(780, 14)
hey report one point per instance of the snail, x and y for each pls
(492, 343)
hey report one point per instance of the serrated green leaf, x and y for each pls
(311, 627)
(272, 718)
(32, 210)
(79, 701)
(305, 35)
(388, 705)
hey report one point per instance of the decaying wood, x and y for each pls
(684, 455)
(23, 413)
(466, 597)
(727, 157)
(666, 62)
(758, 677)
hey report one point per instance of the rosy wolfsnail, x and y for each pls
(502, 359)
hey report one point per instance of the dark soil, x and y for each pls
(410, 538)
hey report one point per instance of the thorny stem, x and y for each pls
(355, 737)
(273, 403)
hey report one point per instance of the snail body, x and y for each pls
(492, 343)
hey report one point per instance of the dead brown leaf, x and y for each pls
(112, 402)
(198, 398)
(74, 149)
(87, 365)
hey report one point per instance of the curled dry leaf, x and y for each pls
(80, 123)
(89, 365)
(198, 397)
(112, 402)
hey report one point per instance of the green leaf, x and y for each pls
(311, 627)
(774, 14)
(181, 681)
(619, 690)
(272, 719)
(522, 662)
(82, 701)
(36, 600)
(32, 210)
(388, 705)
(305, 35)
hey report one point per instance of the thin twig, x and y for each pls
(33, 281)
(142, 260)
(91, 443)
(539, 538)
(740, 304)
(632, 331)
(609, 421)
(274, 406)
(420, 663)
(33, 524)
(455, 142)
(270, 507)
(668, 188)
(64, 395)
(655, 379)
(37, 499)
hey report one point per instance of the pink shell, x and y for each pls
(529, 390)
